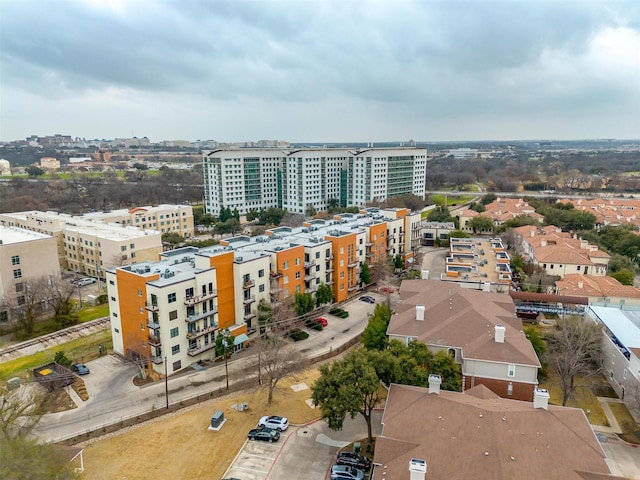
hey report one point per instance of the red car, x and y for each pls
(322, 321)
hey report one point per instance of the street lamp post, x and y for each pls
(225, 334)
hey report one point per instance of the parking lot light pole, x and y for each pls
(225, 334)
(166, 383)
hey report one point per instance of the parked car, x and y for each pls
(80, 368)
(81, 282)
(322, 321)
(265, 434)
(346, 472)
(353, 459)
(368, 299)
(274, 422)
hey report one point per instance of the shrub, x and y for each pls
(296, 335)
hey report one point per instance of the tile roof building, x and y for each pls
(478, 435)
(560, 253)
(480, 329)
(499, 211)
(609, 211)
(600, 290)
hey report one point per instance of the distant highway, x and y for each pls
(531, 194)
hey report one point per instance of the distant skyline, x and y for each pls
(320, 71)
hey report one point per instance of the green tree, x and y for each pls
(324, 294)
(480, 224)
(172, 238)
(488, 198)
(365, 273)
(34, 171)
(224, 343)
(265, 316)
(61, 359)
(459, 234)
(303, 303)
(619, 262)
(439, 214)
(374, 336)
(477, 207)
(624, 276)
(537, 342)
(397, 262)
(348, 386)
(310, 210)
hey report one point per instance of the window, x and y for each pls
(116, 330)
(624, 374)
(21, 300)
(261, 273)
(115, 314)
(113, 299)
(139, 293)
(15, 260)
(173, 314)
(285, 265)
(177, 365)
(613, 359)
(171, 297)
(511, 371)
(261, 288)
(174, 332)
(123, 248)
(578, 268)
(285, 279)
(175, 349)
(142, 326)
(297, 261)
(17, 273)
(132, 246)
(297, 275)
(19, 287)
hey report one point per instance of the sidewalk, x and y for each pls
(130, 402)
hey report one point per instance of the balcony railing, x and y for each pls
(353, 265)
(153, 325)
(330, 269)
(248, 284)
(200, 316)
(154, 340)
(309, 277)
(157, 360)
(275, 274)
(330, 257)
(309, 264)
(248, 300)
(153, 307)
(352, 288)
(203, 331)
(200, 298)
(249, 316)
(192, 352)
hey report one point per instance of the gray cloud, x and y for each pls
(428, 63)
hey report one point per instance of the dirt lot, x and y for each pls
(180, 446)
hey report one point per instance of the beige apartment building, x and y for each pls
(163, 218)
(86, 246)
(24, 256)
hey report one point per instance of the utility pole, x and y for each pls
(225, 334)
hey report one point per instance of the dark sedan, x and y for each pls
(80, 368)
(353, 459)
(264, 434)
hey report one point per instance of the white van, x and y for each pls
(81, 282)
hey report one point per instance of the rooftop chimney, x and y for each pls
(425, 275)
(434, 384)
(580, 284)
(543, 243)
(500, 331)
(417, 469)
(540, 398)
(419, 312)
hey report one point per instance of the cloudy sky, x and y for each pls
(320, 70)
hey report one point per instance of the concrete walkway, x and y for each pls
(114, 398)
(614, 426)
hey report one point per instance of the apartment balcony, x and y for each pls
(369, 244)
(353, 265)
(200, 316)
(330, 257)
(158, 360)
(152, 307)
(329, 269)
(310, 276)
(202, 331)
(275, 274)
(153, 325)
(248, 300)
(248, 284)
(200, 298)
(192, 352)
(309, 264)
(352, 288)
(154, 340)
(249, 316)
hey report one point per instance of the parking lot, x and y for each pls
(305, 451)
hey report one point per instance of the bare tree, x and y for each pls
(574, 353)
(278, 359)
(30, 302)
(59, 295)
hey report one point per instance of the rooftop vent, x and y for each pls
(499, 333)
(417, 469)
(540, 398)
(434, 384)
(419, 312)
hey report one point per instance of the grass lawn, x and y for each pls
(81, 349)
(451, 200)
(630, 429)
(180, 446)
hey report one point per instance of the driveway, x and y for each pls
(305, 451)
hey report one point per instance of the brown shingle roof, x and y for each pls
(478, 435)
(458, 317)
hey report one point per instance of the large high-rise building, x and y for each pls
(251, 179)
